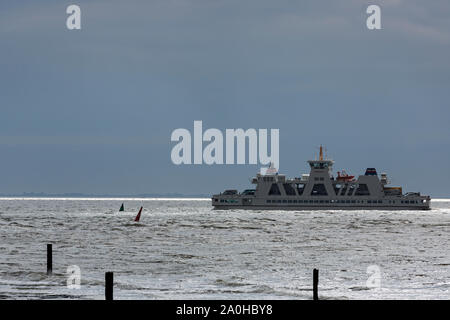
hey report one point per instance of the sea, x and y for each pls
(183, 249)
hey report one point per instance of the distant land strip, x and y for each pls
(84, 195)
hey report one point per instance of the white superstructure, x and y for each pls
(321, 190)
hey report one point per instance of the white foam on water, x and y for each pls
(183, 249)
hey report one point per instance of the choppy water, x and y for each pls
(182, 249)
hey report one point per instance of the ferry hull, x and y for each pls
(305, 208)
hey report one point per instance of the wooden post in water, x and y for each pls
(109, 282)
(49, 259)
(315, 284)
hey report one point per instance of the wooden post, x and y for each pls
(49, 259)
(109, 282)
(315, 284)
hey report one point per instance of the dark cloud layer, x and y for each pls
(93, 110)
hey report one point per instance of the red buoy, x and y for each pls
(138, 215)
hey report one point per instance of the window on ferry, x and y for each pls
(274, 190)
(230, 192)
(289, 189)
(362, 190)
(351, 189)
(337, 187)
(319, 190)
(319, 165)
(344, 190)
(300, 188)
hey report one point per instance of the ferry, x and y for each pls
(320, 190)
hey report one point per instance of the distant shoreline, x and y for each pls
(105, 196)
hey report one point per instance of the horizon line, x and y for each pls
(139, 198)
(110, 198)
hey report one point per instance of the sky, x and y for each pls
(92, 110)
